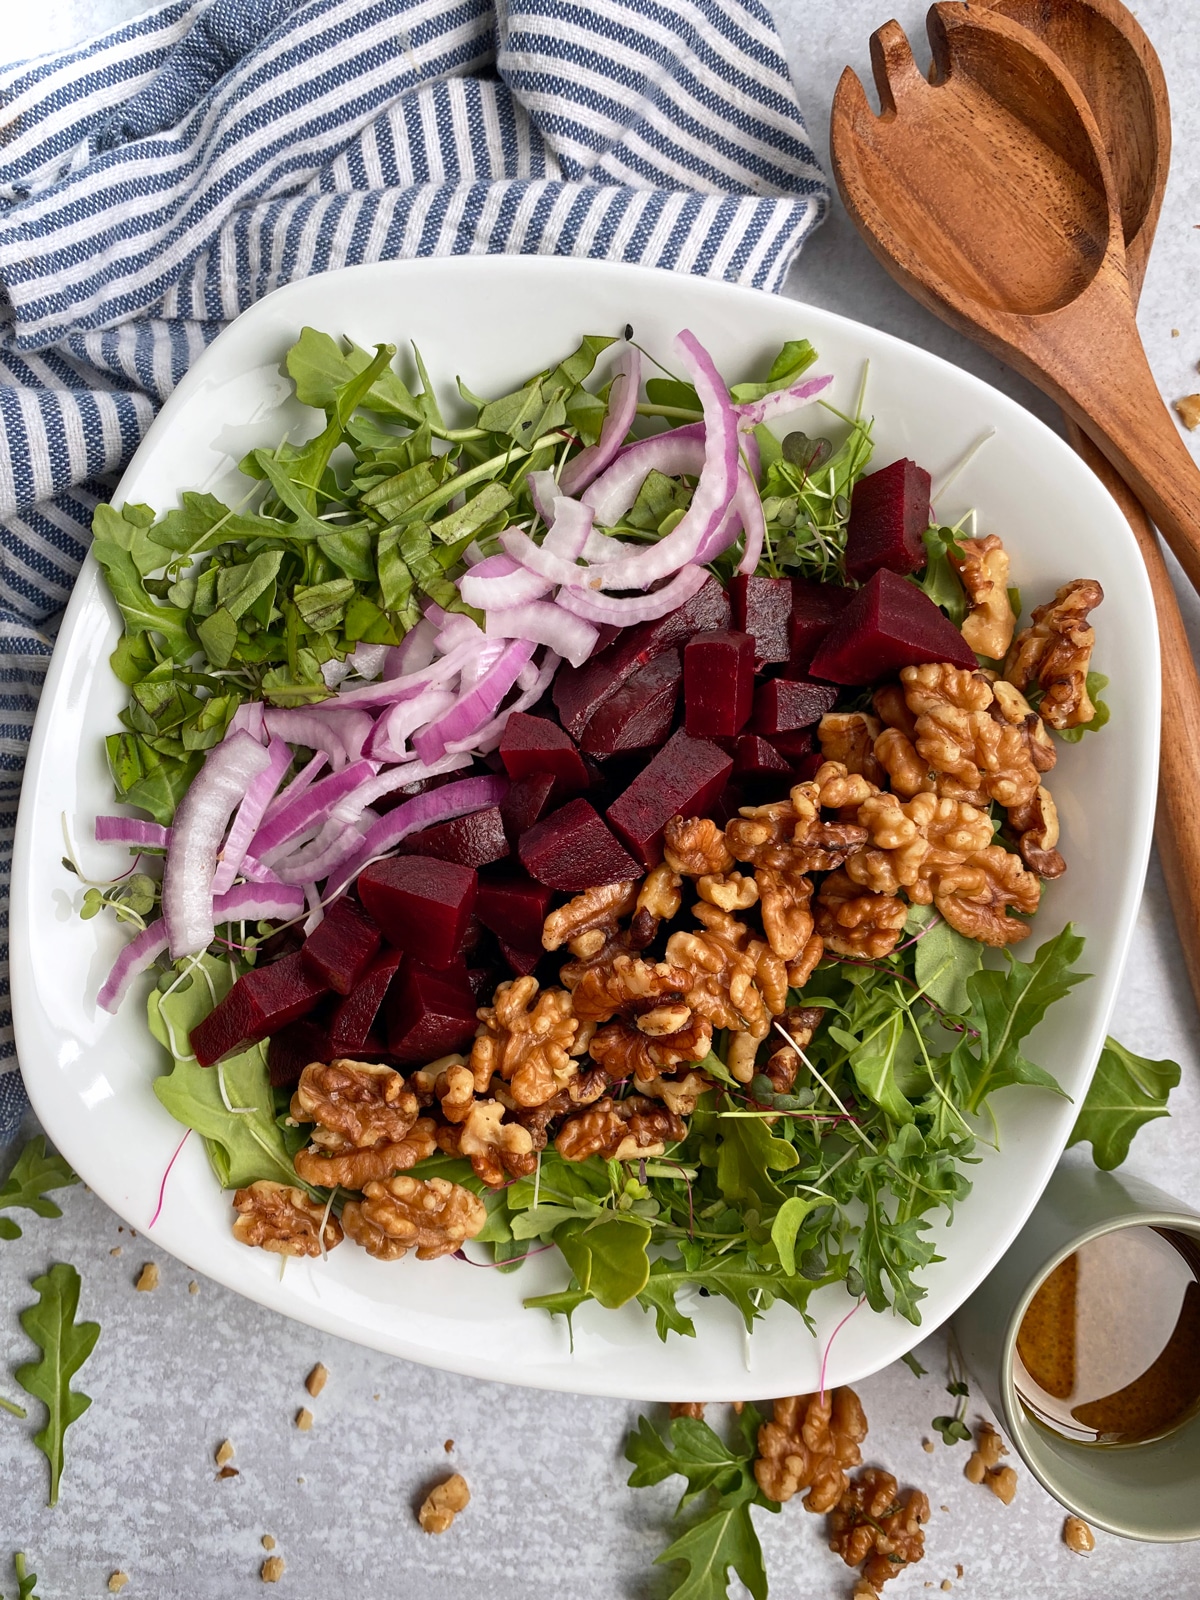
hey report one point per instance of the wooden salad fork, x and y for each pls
(1112, 65)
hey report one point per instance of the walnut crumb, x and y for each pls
(1189, 410)
(928, 1446)
(448, 1446)
(443, 1503)
(958, 1570)
(943, 1508)
(115, 1251)
(271, 1570)
(317, 1379)
(117, 1582)
(946, 1586)
(1174, 333)
(148, 1279)
(224, 1452)
(228, 1472)
(304, 1419)
(865, 1591)
(268, 1541)
(1077, 1536)
(193, 1287)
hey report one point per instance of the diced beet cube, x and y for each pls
(781, 705)
(572, 849)
(522, 962)
(293, 1048)
(718, 684)
(353, 1022)
(791, 746)
(808, 766)
(639, 715)
(422, 904)
(472, 841)
(526, 802)
(429, 1013)
(481, 981)
(683, 779)
(339, 949)
(889, 511)
(889, 624)
(514, 909)
(815, 609)
(531, 745)
(579, 690)
(755, 758)
(761, 608)
(261, 1002)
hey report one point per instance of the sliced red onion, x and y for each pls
(250, 815)
(137, 955)
(754, 522)
(537, 558)
(352, 725)
(308, 809)
(488, 737)
(678, 452)
(257, 873)
(299, 783)
(568, 532)
(542, 490)
(413, 652)
(254, 902)
(422, 811)
(316, 911)
(780, 401)
(456, 630)
(480, 664)
(499, 583)
(368, 659)
(131, 830)
(622, 409)
(200, 822)
(633, 608)
(548, 624)
(248, 718)
(309, 727)
(390, 690)
(476, 707)
(389, 739)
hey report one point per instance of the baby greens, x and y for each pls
(65, 1345)
(33, 1175)
(1127, 1092)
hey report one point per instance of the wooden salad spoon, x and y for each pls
(1106, 51)
(925, 226)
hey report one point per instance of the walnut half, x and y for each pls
(809, 1444)
(433, 1216)
(282, 1219)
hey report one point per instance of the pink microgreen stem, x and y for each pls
(162, 1188)
(928, 928)
(461, 1255)
(832, 1337)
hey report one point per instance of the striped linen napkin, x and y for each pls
(157, 181)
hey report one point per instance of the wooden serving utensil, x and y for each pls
(988, 195)
(1113, 63)
(1106, 51)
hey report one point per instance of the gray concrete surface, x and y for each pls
(175, 1372)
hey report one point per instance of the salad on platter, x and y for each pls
(602, 825)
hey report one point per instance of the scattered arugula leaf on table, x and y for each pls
(65, 1345)
(33, 1175)
(724, 1537)
(1126, 1092)
(25, 1579)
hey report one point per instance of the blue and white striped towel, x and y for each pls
(159, 180)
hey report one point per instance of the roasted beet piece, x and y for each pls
(639, 715)
(261, 1002)
(526, 802)
(579, 690)
(514, 909)
(429, 1013)
(684, 778)
(889, 624)
(352, 1027)
(718, 683)
(472, 841)
(291, 1050)
(781, 705)
(761, 608)
(531, 745)
(815, 609)
(791, 746)
(889, 511)
(808, 766)
(339, 949)
(422, 904)
(755, 758)
(572, 850)
(522, 962)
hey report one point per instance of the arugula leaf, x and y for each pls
(1126, 1092)
(943, 961)
(33, 1174)
(243, 1145)
(65, 1345)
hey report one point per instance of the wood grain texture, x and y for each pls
(987, 193)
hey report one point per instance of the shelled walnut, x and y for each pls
(695, 847)
(849, 737)
(976, 897)
(1055, 652)
(497, 1149)
(983, 569)
(594, 910)
(282, 1219)
(432, 1216)
(810, 1443)
(365, 1123)
(528, 1039)
(619, 1130)
(443, 1503)
(872, 1527)
(854, 922)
